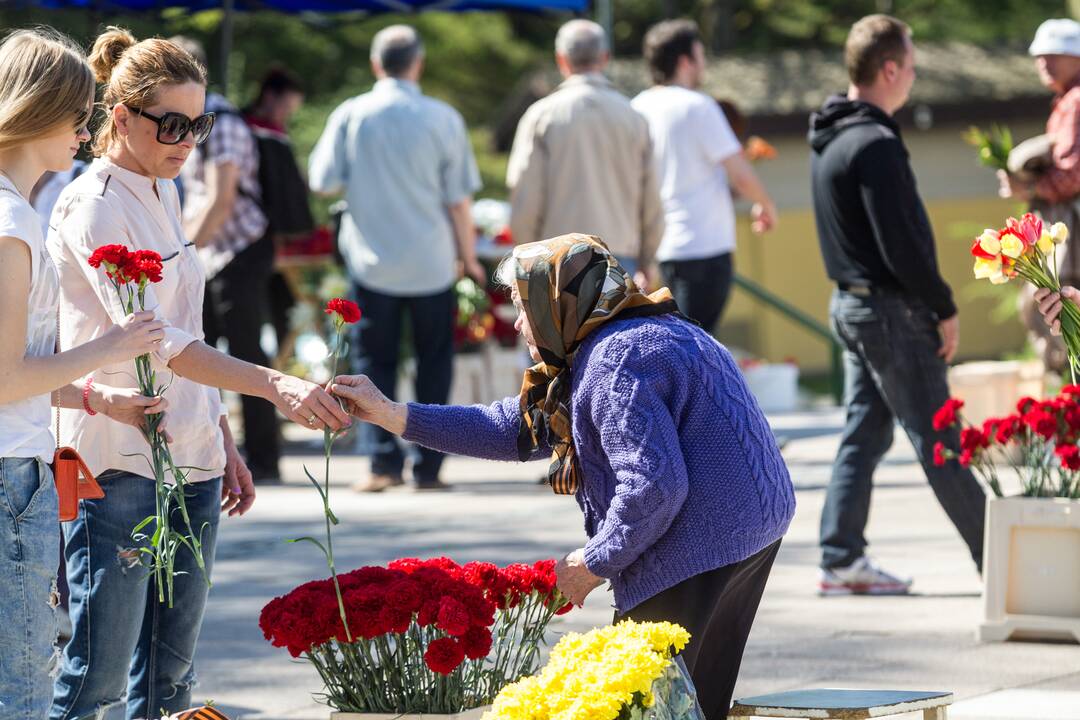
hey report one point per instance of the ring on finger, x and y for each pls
(311, 420)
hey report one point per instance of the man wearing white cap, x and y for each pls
(1056, 49)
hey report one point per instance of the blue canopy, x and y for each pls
(296, 6)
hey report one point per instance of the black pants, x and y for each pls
(892, 373)
(717, 608)
(235, 308)
(701, 287)
(378, 345)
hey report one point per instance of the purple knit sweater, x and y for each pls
(681, 474)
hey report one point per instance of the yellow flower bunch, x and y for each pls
(595, 675)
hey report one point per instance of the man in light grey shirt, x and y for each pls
(404, 163)
(582, 158)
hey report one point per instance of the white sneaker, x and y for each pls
(862, 577)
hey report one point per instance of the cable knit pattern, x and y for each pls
(681, 474)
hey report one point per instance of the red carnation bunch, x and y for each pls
(142, 266)
(125, 266)
(1043, 434)
(346, 311)
(467, 629)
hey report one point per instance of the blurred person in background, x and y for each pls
(699, 161)
(1047, 168)
(405, 165)
(582, 159)
(285, 196)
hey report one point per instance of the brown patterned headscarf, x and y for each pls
(569, 286)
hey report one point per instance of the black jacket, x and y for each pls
(871, 224)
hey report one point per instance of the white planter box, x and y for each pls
(474, 714)
(992, 388)
(1031, 569)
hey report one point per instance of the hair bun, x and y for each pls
(108, 49)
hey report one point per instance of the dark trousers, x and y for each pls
(378, 348)
(892, 372)
(235, 308)
(717, 608)
(700, 287)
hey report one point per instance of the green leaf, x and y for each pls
(309, 539)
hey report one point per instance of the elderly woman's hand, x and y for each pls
(364, 401)
(1050, 305)
(573, 579)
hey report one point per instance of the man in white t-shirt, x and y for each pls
(698, 160)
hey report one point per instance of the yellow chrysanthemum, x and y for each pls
(594, 676)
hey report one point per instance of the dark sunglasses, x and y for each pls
(172, 127)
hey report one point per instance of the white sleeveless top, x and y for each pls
(24, 424)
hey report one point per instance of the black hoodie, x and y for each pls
(871, 224)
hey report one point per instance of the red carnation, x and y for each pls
(346, 310)
(1042, 423)
(476, 642)
(1025, 404)
(948, 414)
(966, 457)
(1073, 390)
(544, 576)
(1007, 427)
(973, 439)
(939, 454)
(453, 616)
(395, 619)
(114, 255)
(142, 266)
(405, 594)
(1069, 456)
(444, 655)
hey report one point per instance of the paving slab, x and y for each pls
(498, 512)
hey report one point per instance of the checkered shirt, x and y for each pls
(230, 141)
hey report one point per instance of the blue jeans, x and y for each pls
(378, 349)
(29, 543)
(124, 642)
(892, 373)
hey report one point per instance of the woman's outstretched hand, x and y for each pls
(364, 401)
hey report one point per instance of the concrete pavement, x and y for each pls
(497, 512)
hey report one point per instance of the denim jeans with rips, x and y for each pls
(29, 544)
(125, 644)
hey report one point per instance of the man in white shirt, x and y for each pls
(698, 161)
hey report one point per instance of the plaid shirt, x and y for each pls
(1062, 181)
(231, 141)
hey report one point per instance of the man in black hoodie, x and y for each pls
(892, 311)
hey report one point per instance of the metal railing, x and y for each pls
(808, 323)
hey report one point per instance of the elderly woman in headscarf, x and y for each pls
(650, 425)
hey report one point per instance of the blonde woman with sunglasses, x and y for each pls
(46, 95)
(124, 643)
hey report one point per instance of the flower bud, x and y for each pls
(1059, 231)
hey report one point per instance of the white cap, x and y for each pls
(1057, 37)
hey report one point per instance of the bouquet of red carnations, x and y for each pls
(429, 636)
(130, 272)
(1045, 434)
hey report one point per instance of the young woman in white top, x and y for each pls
(123, 640)
(46, 96)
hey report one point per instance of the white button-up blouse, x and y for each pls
(110, 205)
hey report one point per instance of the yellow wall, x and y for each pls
(961, 199)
